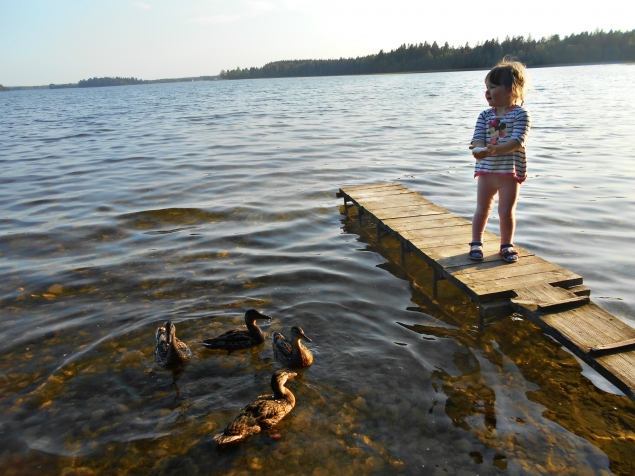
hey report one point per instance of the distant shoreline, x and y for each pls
(137, 82)
(218, 78)
(563, 65)
(586, 48)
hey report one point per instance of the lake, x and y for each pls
(124, 207)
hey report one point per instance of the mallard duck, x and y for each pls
(291, 351)
(241, 338)
(170, 350)
(263, 413)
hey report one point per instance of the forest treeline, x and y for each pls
(99, 82)
(107, 81)
(116, 81)
(596, 47)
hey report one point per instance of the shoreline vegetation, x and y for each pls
(583, 48)
(598, 47)
(107, 81)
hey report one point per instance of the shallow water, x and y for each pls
(124, 207)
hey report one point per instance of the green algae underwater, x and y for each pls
(512, 400)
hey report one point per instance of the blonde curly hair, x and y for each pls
(511, 74)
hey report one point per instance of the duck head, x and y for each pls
(279, 378)
(252, 315)
(298, 333)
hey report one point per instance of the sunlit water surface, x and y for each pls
(124, 207)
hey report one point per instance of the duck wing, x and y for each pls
(282, 347)
(247, 422)
(179, 355)
(184, 349)
(263, 413)
(267, 411)
(230, 340)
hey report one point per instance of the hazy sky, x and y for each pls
(62, 41)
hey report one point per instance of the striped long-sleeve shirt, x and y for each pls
(493, 129)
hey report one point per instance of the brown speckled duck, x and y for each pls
(291, 352)
(263, 413)
(170, 351)
(242, 338)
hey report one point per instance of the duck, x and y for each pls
(263, 413)
(291, 351)
(242, 338)
(170, 351)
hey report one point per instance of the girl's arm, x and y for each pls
(498, 149)
(505, 148)
(478, 140)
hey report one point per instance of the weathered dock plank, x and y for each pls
(588, 330)
(613, 346)
(438, 220)
(590, 326)
(533, 286)
(392, 201)
(499, 272)
(483, 266)
(505, 287)
(406, 211)
(464, 229)
(370, 195)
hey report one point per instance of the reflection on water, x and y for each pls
(124, 207)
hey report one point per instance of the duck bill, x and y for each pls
(291, 374)
(306, 338)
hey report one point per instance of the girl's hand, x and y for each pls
(480, 153)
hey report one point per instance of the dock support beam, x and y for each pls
(403, 254)
(435, 283)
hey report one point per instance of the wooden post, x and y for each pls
(378, 232)
(403, 254)
(360, 211)
(435, 283)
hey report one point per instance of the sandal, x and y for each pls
(509, 254)
(476, 251)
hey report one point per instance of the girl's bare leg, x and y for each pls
(507, 199)
(486, 189)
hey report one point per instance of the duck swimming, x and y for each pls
(291, 352)
(241, 338)
(263, 413)
(170, 351)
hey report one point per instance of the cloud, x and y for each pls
(143, 6)
(251, 9)
(221, 19)
(258, 7)
(299, 5)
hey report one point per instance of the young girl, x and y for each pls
(498, 146)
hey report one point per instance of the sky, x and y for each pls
(63, 41)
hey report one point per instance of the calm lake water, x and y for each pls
(124, 207)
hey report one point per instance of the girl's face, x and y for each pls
(497, 96)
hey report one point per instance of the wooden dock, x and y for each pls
(547, 294)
